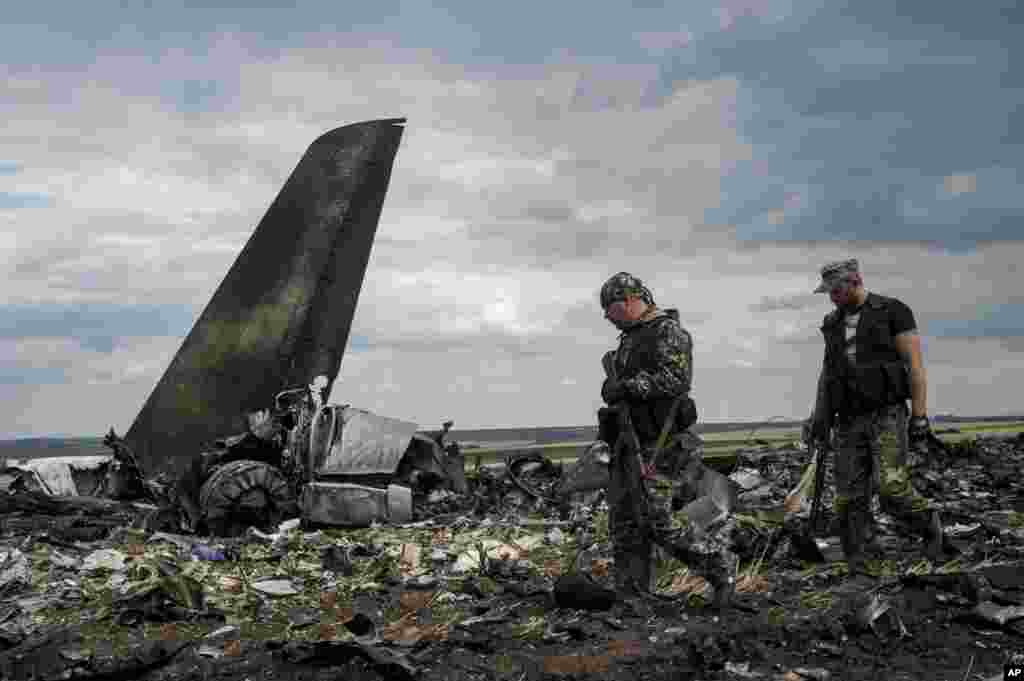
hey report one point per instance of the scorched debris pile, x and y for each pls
(505, 573)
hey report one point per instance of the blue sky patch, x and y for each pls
(97, 326)
(23, 375)
(871, 111)
(193, 96)
(357, 343)
(991, 321)
(14, 201)
(854, 111)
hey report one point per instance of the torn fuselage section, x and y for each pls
(352, 465)
(332, 465)
(328, 464)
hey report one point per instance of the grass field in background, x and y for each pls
(726, 444)
(722, 444)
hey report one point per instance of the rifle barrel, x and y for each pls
(819, 487)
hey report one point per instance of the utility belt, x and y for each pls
(846, 418)
(649, 418)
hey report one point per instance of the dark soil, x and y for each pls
(809, 623)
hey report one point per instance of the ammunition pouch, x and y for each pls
(872, 387)
(608, 425)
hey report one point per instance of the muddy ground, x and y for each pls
(417, 602)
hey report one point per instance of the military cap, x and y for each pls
(622, 285)
(835, 272)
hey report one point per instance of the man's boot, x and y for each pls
(929, 525)
(721, 575)
(633, 569)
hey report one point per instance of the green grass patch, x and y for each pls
(976, 427)
(601, 526)
(826, 570)
(97, 636)
(815, 600)
(880, 568)
(503, 664)
(721, 448)
(530, 630)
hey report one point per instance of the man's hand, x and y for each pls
(613, 390)
(919, 433)
(647, 470)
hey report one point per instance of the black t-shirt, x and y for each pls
(901, 318)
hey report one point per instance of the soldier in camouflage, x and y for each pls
(689, 507)
(872, 367)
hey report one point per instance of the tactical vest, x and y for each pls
(649, 415)
(879, 376)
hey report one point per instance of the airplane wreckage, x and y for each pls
(184, 525)
(279, 319)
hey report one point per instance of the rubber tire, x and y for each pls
(245, 493)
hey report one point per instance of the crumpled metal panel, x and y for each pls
(361, 443)
(62, 476)
(347, 505)
(588, 473)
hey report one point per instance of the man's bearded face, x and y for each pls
(842, 293)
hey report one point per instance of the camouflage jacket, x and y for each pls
(654, 361)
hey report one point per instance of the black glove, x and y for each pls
(613, 391)
(919, 432)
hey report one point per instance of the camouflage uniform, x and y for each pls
(878, 438)
(867, 399)
(654, 364)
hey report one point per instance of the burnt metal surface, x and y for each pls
(282, 314)
(339, 504)
(358, 442)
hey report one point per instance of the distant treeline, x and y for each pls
(586, 433)
(36, 447)
(74, 446)
(948, 418)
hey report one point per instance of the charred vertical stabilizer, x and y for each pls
(282, 315)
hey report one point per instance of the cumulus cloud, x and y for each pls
(517, 190)
(662, 41)
(798, 301)
(959, 184)
(484, 215)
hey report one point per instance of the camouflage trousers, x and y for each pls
(702, 542)
(874, 447)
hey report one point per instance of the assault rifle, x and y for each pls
(818, 454)
(626, 489)
(626, 450)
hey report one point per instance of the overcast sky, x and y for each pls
(720, 151)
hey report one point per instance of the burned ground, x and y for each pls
(469, 591)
